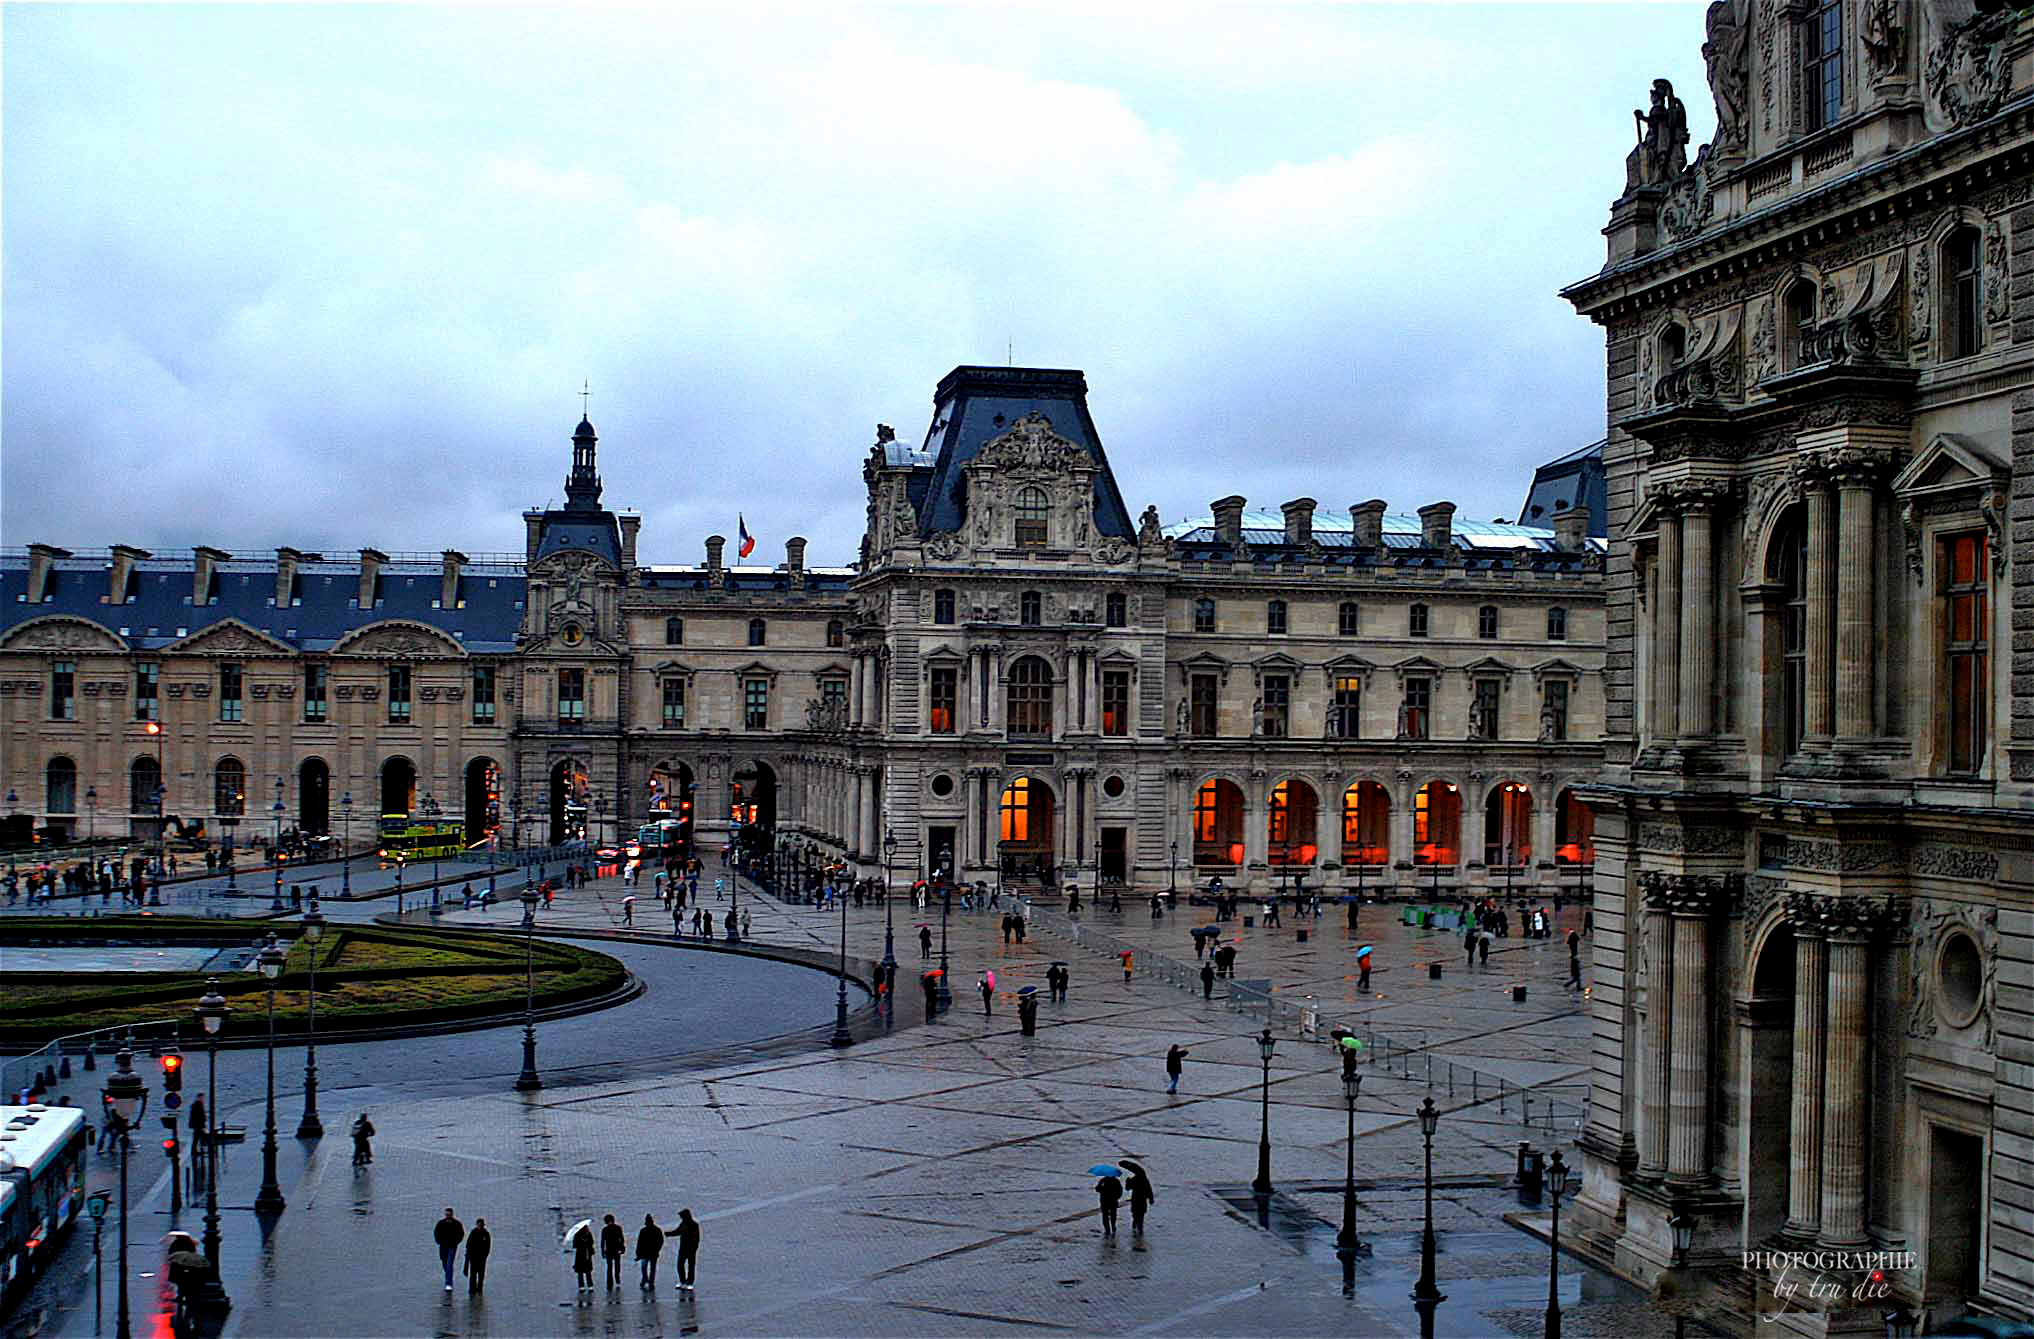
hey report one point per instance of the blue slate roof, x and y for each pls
(973, 405)
(593, 532)
(159, 609)
(1576, 478)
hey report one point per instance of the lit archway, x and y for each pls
(398, 788)
(753, 796)
(570, 786)
(1508, 825)
(1437, 824)
(1574, 831)
(1292, 824)
(668, 825)
(1218, 823)
(1366, 824)
(1025, 812)
(483, 800)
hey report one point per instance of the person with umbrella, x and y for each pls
(930, 981)
(580, 1242)
(987, 986)
(1109, 1190)
(1128, 959)
(628, 911)
(1141, 1195)
(479, 1244)
(1027, 1011)
(1363, 968)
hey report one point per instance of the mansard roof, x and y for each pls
(973, 405)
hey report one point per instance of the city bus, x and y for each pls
(665, 839)
(42, 1188)
(405, 839)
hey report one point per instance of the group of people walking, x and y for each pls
(611, 1245)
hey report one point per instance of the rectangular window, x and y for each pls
(1557, 709)
(1345, 718)
(755, 704)
(1966, 599)
(1274, 617)
(942, 606)
(63, 691)
(1204, 615)
(571, 695)
(1277, 706)
(1822, 47)
(945, 705)
(229, 693)
(674, 704)
(1419, 701)
(1201, 700)
(833, 697)
(1349, 619)
(398, 694)
(1486, 622)
(1557, 624)
(1116, 611)
(1030, 609)
(1116, 702)
(483, 695)
(1483, 710)
(147, 689)
(1416, 621)
(316, 679)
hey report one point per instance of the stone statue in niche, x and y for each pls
(1884, 31)
(1480, 724)
(1148, 531)
(1547, 722)
(1404, 722)
(1180, 718)
(1727, 55)
(1256, 717)
(1662, 150)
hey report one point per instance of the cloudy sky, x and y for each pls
(334, 276)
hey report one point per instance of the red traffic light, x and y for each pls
(172, 1062)
(169, 1148)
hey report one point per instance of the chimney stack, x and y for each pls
(1228, 519)
(203, 570)
(794, 558)
(1366, 524)
(714, 545)
(629, 526)
(125, 556)
(448, 585)
(533, 529)
(1299, 521)
(40, 558)
(1437, 525)
(370, 576)
(1571, 529)
(286, 561)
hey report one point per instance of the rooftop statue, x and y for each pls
(1662, 151)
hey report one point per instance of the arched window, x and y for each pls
(1274, 616)
(1963, 292)
(1033, 512)
(758, 632)
(1030, 698)
(144, 778)
(1290, 817)
(1790, 573)
(1218, 823)
(1348, 619)
(1508, 825)
(1204, 615)
(1486, 622)
(836, 633)
(1673, 347)
(674, 632)
(1116, 610)
(1797, 341)
(1030, 609)
(1557, 624)
(1416, 621)
(1574, 832)
(229, 788)
(1366, 824)
(1437, 823)
(60, 786)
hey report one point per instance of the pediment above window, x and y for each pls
(229, 636)
(63, 632)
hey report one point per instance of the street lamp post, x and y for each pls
(126, 1096)
(270, 1198)
(275, 846)
(945, 992)
(346, 845)
(212, 1010)
(1425, 1294)
(91, 814)
(1172, 872)
(841, 1036)
(310, 1127)
(226, 849)
(1266, 1045)
(889, 934)
(95, 1206)
(529, 1080)
(1557, 1186)
(1346, 1242)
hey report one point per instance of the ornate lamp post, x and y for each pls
(270, 1198)
(945, 992)
(230, 822)
(1683, 1228)
(889, 933)
(126, 1097)
(310, 1127)
(275, 856)
(529, 1080)
(95, 1207)
(154, 728)
(91, 814)
(1347, 1245)
(1425, 1295)
(1266, 1046)
(346, 844)
(1557, 1186)
(212, 1010)
(841, 1036)
(1172, 872)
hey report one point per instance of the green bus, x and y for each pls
(404, 839)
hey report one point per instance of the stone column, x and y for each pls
(869, 837)
(998, 697)
(1698, 614)
(1846, 1087)
(1256, 826)
(1667, 632)
(1856, 642)
(857, 689)
(1688, 1078)
(854, 814)
(1811, 1013)
(1821, 600)
(1328, 820)
(1654, 1048)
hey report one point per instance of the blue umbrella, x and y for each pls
(1363, 952)
(1105, 1169)
(1027, 990)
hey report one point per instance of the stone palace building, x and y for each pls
(1016, 678)
(1814, 961)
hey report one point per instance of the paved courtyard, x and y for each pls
(931, 1179)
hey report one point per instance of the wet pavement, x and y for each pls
(931, 1179)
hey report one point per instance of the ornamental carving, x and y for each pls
(201, 690)
(1032, 447)
(1689, 894)
(1920, 317)
(1968, 75)
(1841, 917)
(1928, 1014)
(1114, 549)
(259, 691)
(1769, 28)
(1882, 410)
(944, 547)
(344, 692)
(1690, 839)
(62, 633)
(1765, 345)
(1884, 32)
(1998, 304)
(1954, 862)
(1689, 204)
(174, 689)
(1831, 857)
(1761, 893)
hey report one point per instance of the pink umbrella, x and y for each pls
(990, 977)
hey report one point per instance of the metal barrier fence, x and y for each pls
(1542, 1105)
(18, 1073)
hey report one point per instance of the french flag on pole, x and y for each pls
(745, 542)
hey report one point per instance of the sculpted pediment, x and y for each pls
(1032, 446)
(61, 632)
(229, 636)
(1947, 463)
(398, 637)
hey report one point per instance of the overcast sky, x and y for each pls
(334, 277)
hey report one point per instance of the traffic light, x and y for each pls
(169, 1143)
(172, 1071)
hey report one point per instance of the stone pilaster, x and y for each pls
(1811, 1011)
(1856, 474)
(1655, 1048)
(1699, 501)
(1667, 632)
(1821, 601)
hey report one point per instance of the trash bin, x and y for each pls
(1420, 918)
(1303, 934)
(1532, 1173)
(1433, 971)
(1518, 994)
(1249, 922)
(1405, 915)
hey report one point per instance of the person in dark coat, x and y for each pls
(931, 984)
(479, 1242)
(582, 1257)
(988, 994)
(649, 1245)
(688, 1249)
(1027, 1015)
(1110, 1192)
(1207, 981)
(1363, 972)
(614, 1244)
(924, 943)
(1483, 949)
(363, 1130)
(1174, 1064)
(1141, 1195)
(448, 1234)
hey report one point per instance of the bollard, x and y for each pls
(1518, 994)
(1433, 971)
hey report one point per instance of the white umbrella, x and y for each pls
(573, 1231)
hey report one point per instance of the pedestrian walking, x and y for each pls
(931, 985)
(1057, 976)
(1129, 959)
(448, 1234)
(688, 1249)
(988, 994)
(1110, 1192)
(1141, 1196)
(707, 932)
(1483, 948)
(479, 1242)
(649, 1245)
(747, 921)
(1469, 945)
(582, 1257)
(363, 1131)
(614, 1243)
(1027, 1015)
(1207, 981)
(1174, 1063)
(1200, 943)
(1363, 972)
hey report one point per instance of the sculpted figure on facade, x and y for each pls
(1662, 150)
(1149, 533)
(1884, 31)
(1727, 54)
